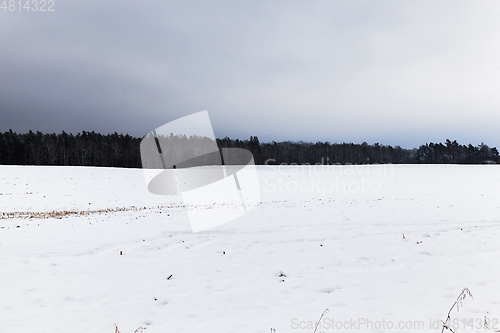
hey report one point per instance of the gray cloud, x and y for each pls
(379, 71)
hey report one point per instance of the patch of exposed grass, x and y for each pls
(58, 214)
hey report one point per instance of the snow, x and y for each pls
(322, 237)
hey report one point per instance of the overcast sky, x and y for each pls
(395, 72)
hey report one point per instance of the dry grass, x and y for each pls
(139, 330)
(324, 312)
(59, 214)
(458, 303)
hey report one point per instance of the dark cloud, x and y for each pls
(387, 71)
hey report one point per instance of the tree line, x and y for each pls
(289, 152)
(83, 149)
(118, 150)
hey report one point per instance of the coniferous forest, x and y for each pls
(118, 150)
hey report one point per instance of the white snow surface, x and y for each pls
(321, 237)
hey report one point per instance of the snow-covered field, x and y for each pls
(322, 237)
